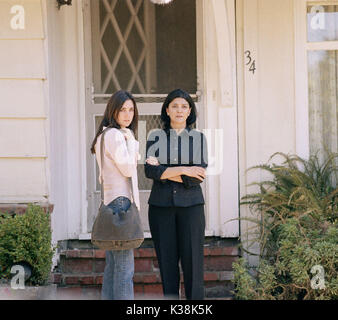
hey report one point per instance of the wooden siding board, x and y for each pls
(22, 179)
(22, 99)
(22, 138)
(22, 59)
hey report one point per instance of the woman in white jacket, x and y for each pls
(120, 161)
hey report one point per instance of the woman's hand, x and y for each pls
(195, 172)
(152, 161)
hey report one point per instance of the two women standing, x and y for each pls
(176, 161)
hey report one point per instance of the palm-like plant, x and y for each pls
(298, 188)
(296, 228)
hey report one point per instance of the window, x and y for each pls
(322, 66)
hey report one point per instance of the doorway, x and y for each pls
(143, 48)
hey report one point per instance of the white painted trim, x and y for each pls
(301, 81)
(82, 114)
(74, 160)
(22, 199)
(145, 109)
(87, 48)
(211, 182)
(324, 45)
(87, 236)
(66, 107)
(25, 117)
(56, 194)
(46, 100)
(222, 13)
(37, 156)
(147, 235)
(323, 3)
(136, 95)
(201, 92)
(228, 121)
(221, 182)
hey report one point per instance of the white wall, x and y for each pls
(266, 98)
(220, 113)
(68, 183)
(24, 163)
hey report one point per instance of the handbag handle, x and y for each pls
(102, 150)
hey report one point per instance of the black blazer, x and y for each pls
(189, 148)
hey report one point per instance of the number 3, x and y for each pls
(248, 55)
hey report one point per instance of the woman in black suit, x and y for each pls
(176, 161)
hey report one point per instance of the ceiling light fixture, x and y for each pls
(161, 1)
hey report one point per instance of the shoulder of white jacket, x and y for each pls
(114, 132)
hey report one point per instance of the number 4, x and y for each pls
(253, 66)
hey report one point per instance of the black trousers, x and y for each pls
(178, 234)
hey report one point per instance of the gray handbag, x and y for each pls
(116, 231)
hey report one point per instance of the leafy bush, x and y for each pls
(296, 229)
(26, 238)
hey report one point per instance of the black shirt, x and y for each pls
(189, 148)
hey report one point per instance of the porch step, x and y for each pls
(79, 273)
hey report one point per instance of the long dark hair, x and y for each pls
(178, 93)
(113, 108)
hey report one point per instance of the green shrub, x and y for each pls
(296, 228)
(26, 238)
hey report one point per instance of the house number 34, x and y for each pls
(251, 63)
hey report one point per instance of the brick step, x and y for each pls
(64, 279)
(144, 252)
(217, 283)
(79, 273)
(94, 293)
(145, 291)
(93, 261)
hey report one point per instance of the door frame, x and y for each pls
(219, 208)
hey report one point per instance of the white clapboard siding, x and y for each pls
(21, 19)
(22, 59)
(23, 133)
(22, 180)
(22, 99)
(22, 138)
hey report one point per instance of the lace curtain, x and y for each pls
(323, 80)
(323, 100)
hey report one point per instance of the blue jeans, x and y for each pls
(119, 270)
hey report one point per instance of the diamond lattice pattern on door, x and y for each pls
(123, 46)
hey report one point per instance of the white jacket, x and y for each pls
(120, 161)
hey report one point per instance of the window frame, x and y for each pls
(302, 47)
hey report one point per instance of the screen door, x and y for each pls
(146, 49)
